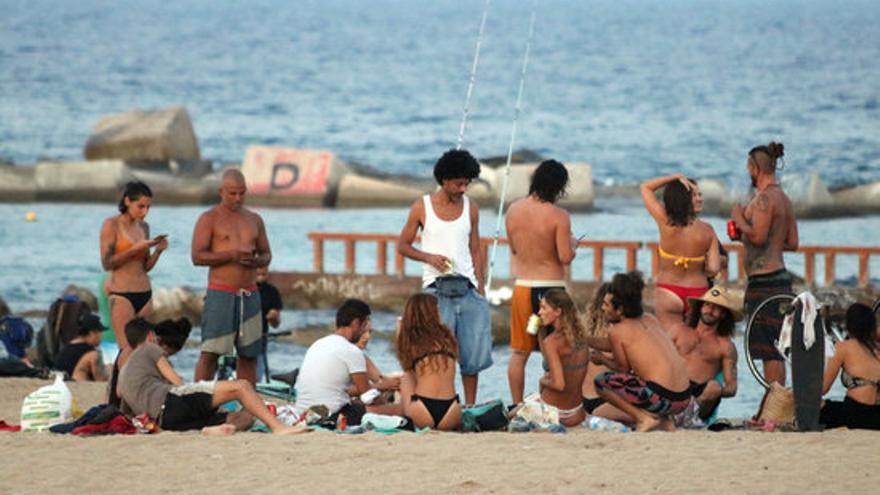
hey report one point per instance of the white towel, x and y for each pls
(808, 318)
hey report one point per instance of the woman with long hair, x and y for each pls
(597, 337)
(567, 356)
(859, 359)
(126, 254)
(688, 248)
(427, 352)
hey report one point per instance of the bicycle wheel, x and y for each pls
(782, 304)
(876, 309)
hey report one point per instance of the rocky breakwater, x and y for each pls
(280, 176)
(158, 147)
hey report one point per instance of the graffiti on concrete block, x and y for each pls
(286, 171)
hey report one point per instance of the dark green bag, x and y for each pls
(488, 416)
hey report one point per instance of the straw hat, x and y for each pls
(721, 296)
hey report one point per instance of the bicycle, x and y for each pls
(832, 326)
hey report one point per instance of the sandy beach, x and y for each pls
(582, 461)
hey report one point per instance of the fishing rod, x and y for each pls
(473, 77)
(522, 82)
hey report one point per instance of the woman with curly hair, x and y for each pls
(688, 248)
(427, 352)
(567, 356)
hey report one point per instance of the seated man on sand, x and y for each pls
(706, 346)
(149, 385)
(80, 358)
(334, 363)
(650, 383)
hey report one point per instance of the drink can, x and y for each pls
(732, 230)
(533, 325)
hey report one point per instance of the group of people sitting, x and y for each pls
(642, 373)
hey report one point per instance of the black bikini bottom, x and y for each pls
(591, 404)
(437, 408)
(137, 299)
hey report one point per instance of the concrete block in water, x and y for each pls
(99, 180)
(176, 190)
(292, 177)
(858, 200)
(362, 191)
(17, 183)
(809, 195)
(165, 134)
(580, 184)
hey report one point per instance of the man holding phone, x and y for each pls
(231, 241)
(541, 247)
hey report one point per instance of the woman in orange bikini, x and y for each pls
(125, 253)
(689, 249)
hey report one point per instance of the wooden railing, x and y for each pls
(383, 240)
(599, 249)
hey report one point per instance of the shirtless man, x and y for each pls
(767, 227)
(452, 261)
(541, 246)
(231, 240)
(706, 346)
(650, 383)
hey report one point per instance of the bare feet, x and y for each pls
(291, 430)
(653, 423)
(219, 430)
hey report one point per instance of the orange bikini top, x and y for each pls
(123, 243)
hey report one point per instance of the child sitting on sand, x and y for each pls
(149, 385)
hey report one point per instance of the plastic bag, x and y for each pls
(47, 406)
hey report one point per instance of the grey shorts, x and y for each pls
(232, 320)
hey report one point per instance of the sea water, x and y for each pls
(636, 88)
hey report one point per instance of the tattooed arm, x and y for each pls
(757, 230)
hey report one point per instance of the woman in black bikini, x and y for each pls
(427, 352)
(125, 253)
(859, 358)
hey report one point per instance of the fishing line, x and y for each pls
(522, 82)
(473, 78)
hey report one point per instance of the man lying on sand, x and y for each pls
(651, 382)
(149, 385)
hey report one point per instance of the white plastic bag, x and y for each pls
(47, 406)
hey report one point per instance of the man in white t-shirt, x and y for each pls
(334, 364)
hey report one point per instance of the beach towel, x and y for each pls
(809, 308)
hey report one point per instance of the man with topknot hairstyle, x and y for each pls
(766, 227)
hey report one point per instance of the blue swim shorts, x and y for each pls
(468, 317)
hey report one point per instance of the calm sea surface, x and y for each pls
(637, 88)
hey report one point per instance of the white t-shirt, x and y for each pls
(325, 374)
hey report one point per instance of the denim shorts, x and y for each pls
(468, 317)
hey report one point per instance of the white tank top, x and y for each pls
(450, 239)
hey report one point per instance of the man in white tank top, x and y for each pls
(453, 264)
